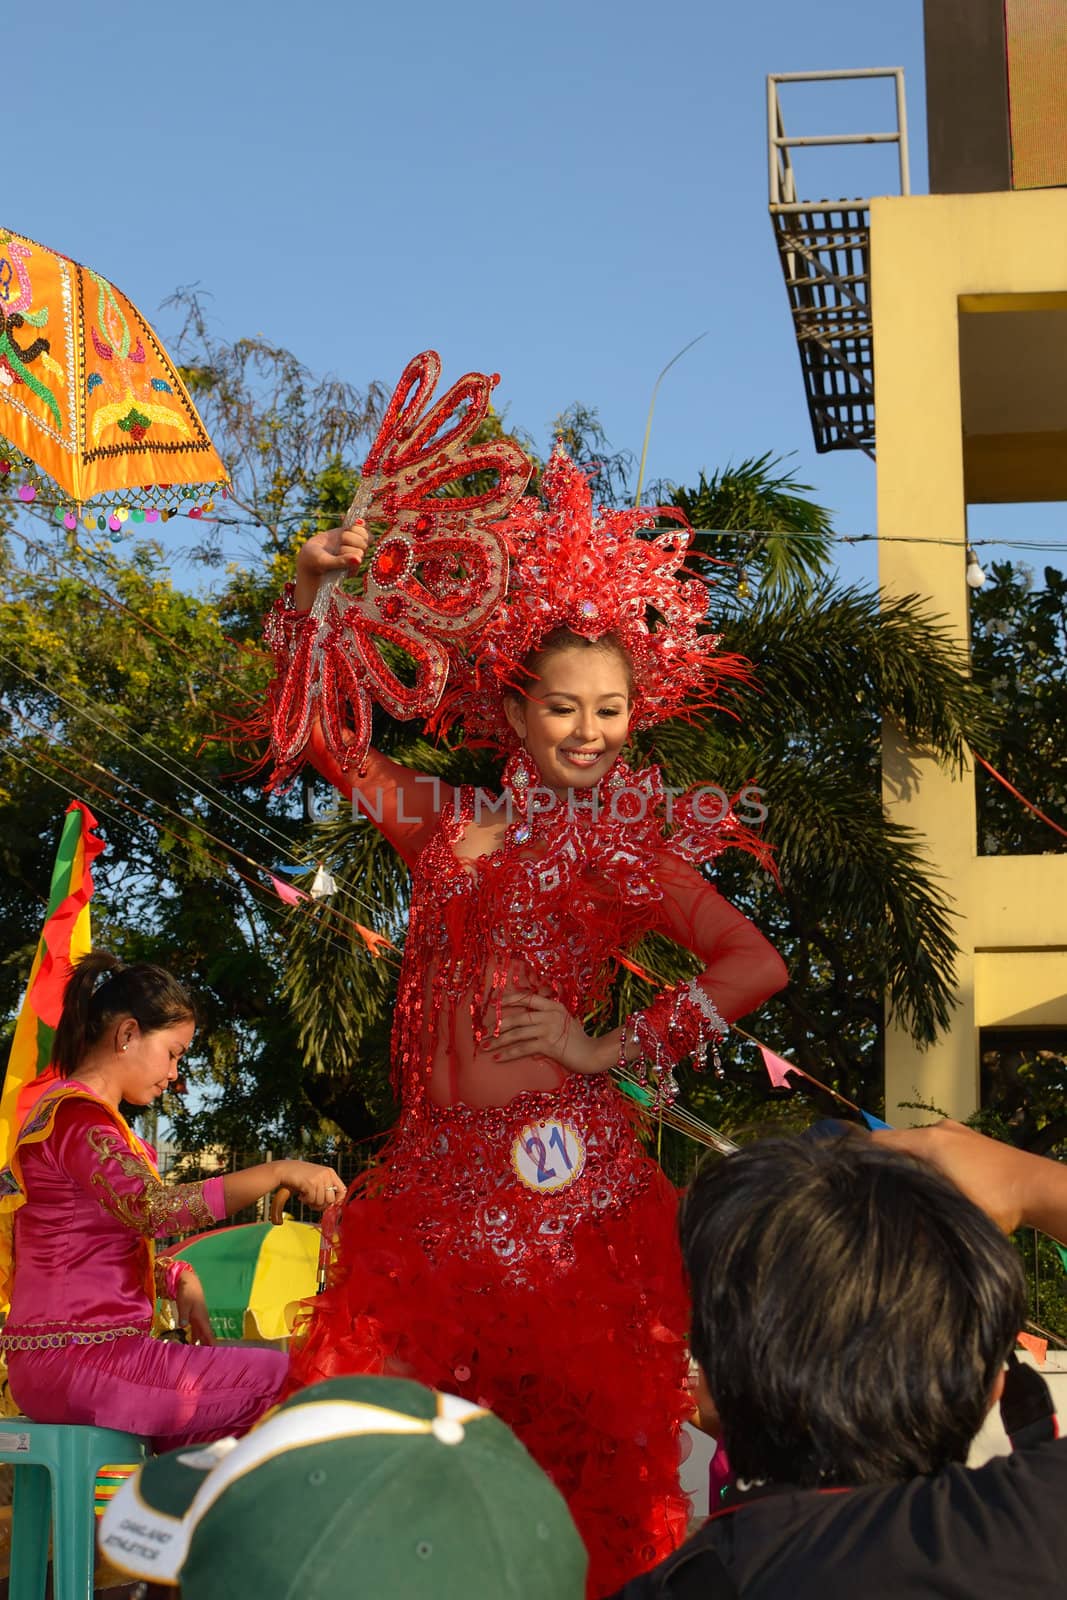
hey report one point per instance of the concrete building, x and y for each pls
(933, 334)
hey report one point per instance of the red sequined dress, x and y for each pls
(514, 1244)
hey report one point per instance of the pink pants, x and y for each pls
(172, 1394)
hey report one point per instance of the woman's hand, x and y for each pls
(317, 1186)
(534, 1025)
(192, 1308)
(328, 552)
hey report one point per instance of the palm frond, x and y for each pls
(832, 654)
(844, 862)
(783, 538)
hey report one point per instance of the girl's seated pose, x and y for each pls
(86, 1201)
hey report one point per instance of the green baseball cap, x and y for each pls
(356, 1486)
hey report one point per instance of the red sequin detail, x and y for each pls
(565, 1315)
(393, 560)
(331, 664)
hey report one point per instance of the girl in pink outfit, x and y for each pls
(81, 1205)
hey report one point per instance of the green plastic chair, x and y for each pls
(70, 1457)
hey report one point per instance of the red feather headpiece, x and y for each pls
(597, 573)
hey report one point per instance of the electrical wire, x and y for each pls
(322, 909)
(677, 1117)
(195, 782)
(230, 806)
(163, 766)
(298, 519)
(263, 897)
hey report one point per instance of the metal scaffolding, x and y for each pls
(824, 248)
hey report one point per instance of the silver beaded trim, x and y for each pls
(60, 1337)
(703, 1001)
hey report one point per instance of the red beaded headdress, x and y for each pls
(595, 572)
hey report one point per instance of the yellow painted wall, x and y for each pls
(926, 252)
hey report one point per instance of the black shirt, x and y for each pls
(998, 1532)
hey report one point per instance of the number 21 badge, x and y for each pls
(548, 1156)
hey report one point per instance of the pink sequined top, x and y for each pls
(79, 1264)
(549, 911)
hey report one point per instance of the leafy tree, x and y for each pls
(112, 684)
(1019, 650)
(780, 536)
(116, 686)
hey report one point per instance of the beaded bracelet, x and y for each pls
(660, 1055)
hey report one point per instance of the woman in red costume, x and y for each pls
(514, 1244)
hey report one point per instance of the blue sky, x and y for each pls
(565, 193)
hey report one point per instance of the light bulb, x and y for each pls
(974, 574)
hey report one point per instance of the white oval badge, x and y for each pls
(548, 1156)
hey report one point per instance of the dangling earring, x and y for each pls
(521, 772)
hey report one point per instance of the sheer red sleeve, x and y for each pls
(403, 805)
(741, 968)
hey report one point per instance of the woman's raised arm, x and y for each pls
(402, 804)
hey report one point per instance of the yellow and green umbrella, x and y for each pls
(252, 1272)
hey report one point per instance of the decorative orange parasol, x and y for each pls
(88, 396)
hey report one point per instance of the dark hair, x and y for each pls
(851, 1310)
(564, 638)
(92, 1002)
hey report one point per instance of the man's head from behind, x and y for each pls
(852, 1310)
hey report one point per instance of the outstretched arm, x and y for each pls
(1012, 1186)
(89, 1148)
(402, 804)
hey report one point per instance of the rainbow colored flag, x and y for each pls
(65, 938)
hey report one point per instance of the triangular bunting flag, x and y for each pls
(286, 892)
(778, 1068)
(1038, 1348)
(323, 885)
(375, 942)
(874, 1122)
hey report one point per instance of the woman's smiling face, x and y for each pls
(575, 715)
